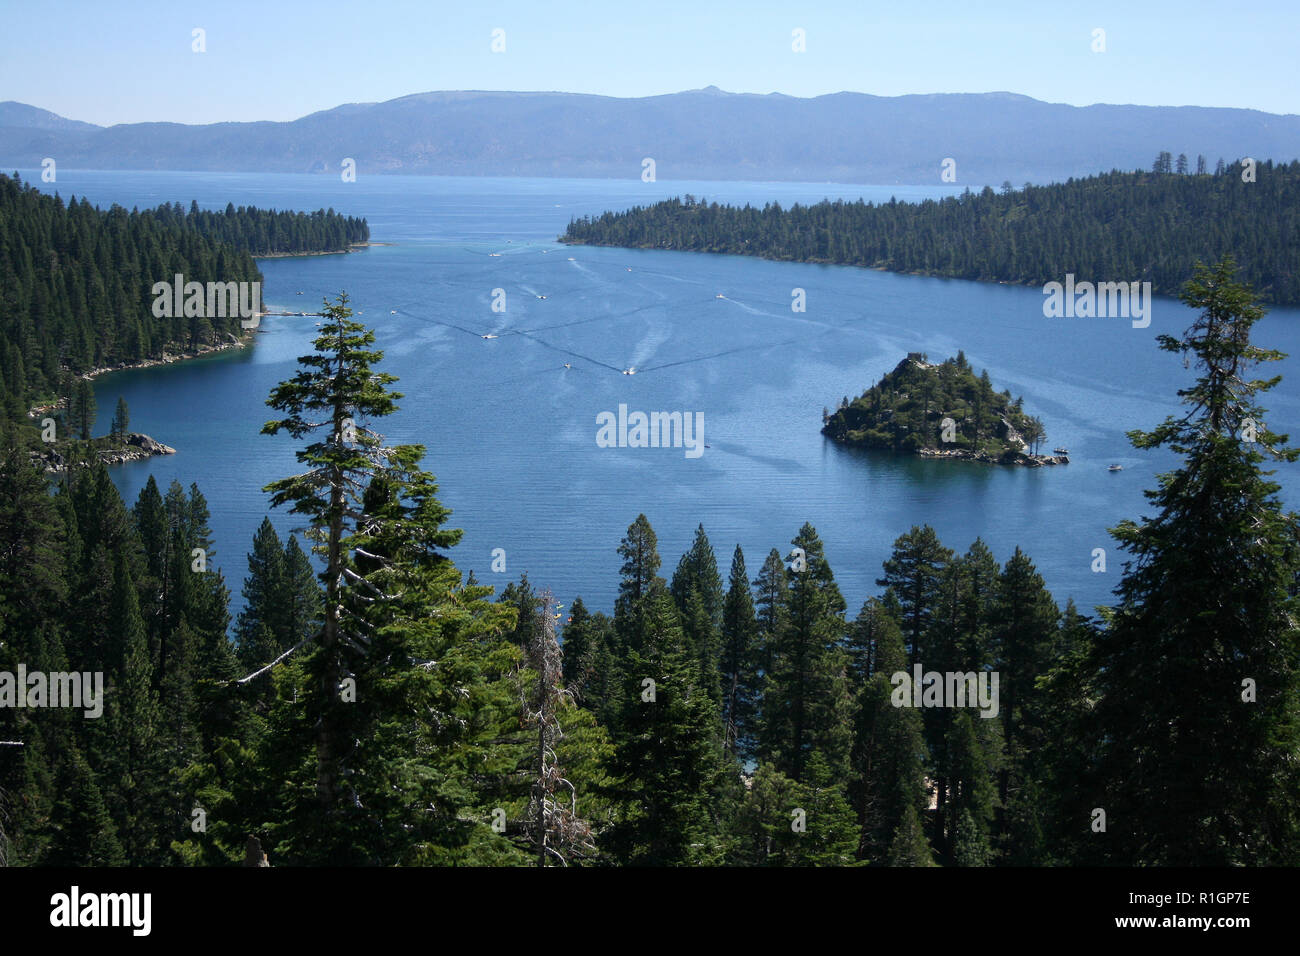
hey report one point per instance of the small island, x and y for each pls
(940, 410)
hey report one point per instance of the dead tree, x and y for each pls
(552, 822)
(253, 853)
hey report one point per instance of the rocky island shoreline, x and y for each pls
(134, 446)
(1007, 458)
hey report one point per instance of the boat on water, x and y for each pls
(571, 259)
(489, 336)
(567, 365)
(630, 371)
(719, 296)
(1060, 451)
(494, 255)
(1115, 468)
(541, 297)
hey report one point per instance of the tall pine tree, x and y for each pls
(1198, 721)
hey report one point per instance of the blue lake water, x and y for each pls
(511, 432)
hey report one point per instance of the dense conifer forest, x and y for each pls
(380, 707)
(76, 281)
(906, 410)
(1118, 226)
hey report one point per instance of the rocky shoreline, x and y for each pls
(135, 447)
(331, 252)
(170, 358)
(167, 359)
(1010, 458)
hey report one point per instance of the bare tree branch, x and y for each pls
(263, 670)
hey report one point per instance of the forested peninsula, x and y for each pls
(940, 411)
(78, 297)
(76, 282)
(1119, 226)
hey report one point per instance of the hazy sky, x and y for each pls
(112, 62)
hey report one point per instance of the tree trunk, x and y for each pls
(541, 775)
(329, 678)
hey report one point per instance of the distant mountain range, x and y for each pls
(699, 134)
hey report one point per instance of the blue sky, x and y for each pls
(109, 62)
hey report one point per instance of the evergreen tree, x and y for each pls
(741, 685)
(133, 717)
(260, 632)
(830, 837)
(83, 401)
(29, 820)
(639, 550)
(975, 759)
(527, 604)
(101, 536)
(121, 421)
(407, 682)
(82, 829)
(912, 573)
(770, 602)
(909, 848)
(765, 821)
(301, 599)
(590, 670)
(32, 544)
(152, 522)
(1197, 722)
(697, 589)
(978, 577)
(888, 788)
(864, 637)
(1026, 638)
(806, 703)
(1068, 695)
(665, 762)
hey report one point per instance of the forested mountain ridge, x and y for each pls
(694, 134)
(1116, 227)
(919, 407)
(76, 282)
